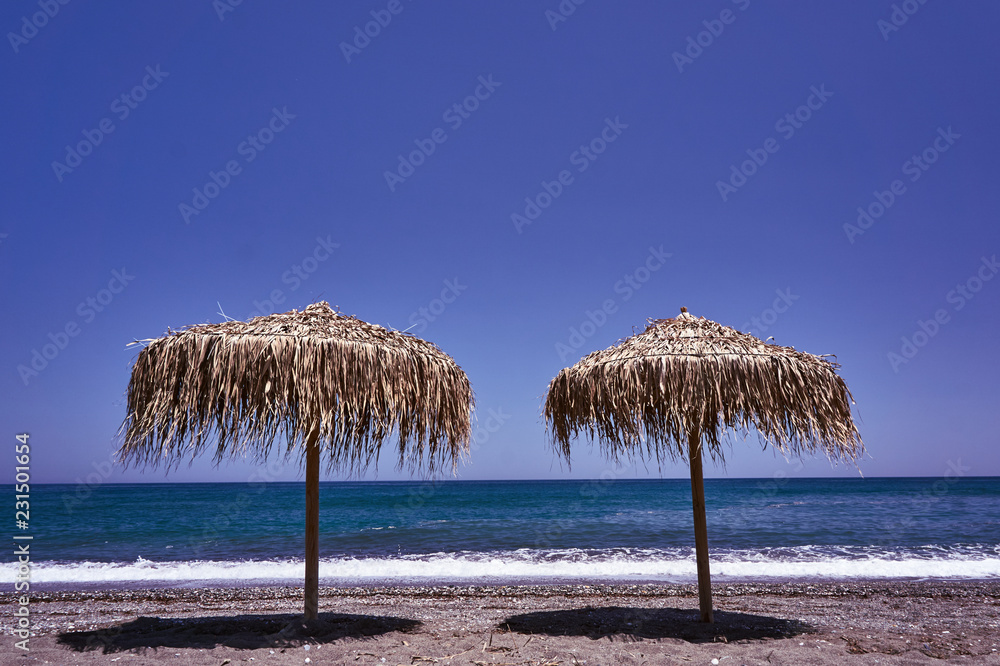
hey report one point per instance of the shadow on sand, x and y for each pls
(239, 631)
(639, 623)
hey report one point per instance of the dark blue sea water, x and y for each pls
(515, 531)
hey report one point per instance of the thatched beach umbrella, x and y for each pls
(330, 385)
(670, 391)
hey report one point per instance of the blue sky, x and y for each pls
(520, 183)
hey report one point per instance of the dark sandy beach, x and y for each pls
(800, 623)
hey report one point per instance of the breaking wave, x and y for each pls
(545, 566)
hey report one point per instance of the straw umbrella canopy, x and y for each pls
(671, 391)
(329, 385)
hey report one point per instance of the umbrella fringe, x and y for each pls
(642, 397)
(241, 385)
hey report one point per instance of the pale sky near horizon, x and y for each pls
(518, 183)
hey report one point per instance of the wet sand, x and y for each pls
(796, 623)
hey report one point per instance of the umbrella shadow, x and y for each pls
(639, 623)
(237, 631)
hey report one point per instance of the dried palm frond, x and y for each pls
(242, 384)
(649, 393)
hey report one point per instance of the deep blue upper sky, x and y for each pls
(626, 135)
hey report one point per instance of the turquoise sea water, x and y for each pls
(515, 531)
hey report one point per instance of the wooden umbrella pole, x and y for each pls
(700, 526)
(312, 525)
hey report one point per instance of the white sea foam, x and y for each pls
(540, 566)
